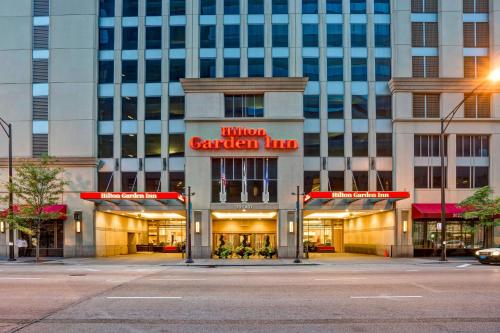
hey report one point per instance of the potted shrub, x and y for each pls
(267, 251)
(244, 250)
(224, 250)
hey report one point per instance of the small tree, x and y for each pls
(483, 207)
(35, 185)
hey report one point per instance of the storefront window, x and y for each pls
(317, 233)
(238, 106)
(166, 233)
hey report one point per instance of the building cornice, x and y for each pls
(244, 85)
(65, 162)
(439, 85)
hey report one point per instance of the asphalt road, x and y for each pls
(392, 296)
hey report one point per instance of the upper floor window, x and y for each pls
(382, 7)
(106, 71)
(428, 145)
(130, 7)
(129, 38)
(335, 69)
(256, 35)
(359, 107)
(129, 108)
(384, 106)
(152, 108)
(384, 144)
(280, 35)
(176, 105)
(476, 6)
(334, 6)
(424, 6)
(425, 66)
(105, 108)
(473, 146)
(207, 7)
(476, 67)
(177, 69)
(231, 7)
(207, 36)
(231, 67)
(359, 69)
(358, 6)
(279, 6)
(255, 6)
(476, 34)
(178, 37)
(177, 7)
(360, 180)
(153, 37)
(312, 144)
(477, 106)
(334, 35)
(382, 69)
(309, 6)
(382, 35)
(106, 38)
(336, 144)
(207, 67)
(255, 67)
(311, 68)
(280, 67)
(176, 145)
(335, 106)
(239, 106)
(358, 35)
(232, 36)
(153, 8)
(311, 106)
(106, 8)
(424, 34)
(426, 105)
(359, 144)
(310, 35)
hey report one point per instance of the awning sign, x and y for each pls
(357, 195)
(131, 196)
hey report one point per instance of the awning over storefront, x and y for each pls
(156, 199)
(50, 209)
(363, 200)
(432, 211)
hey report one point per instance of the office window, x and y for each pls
(360, 180)
(153, 38)
(476, 6)
(477, 106)
(207, 7)
(177, 7)
(426, 105)
(129, 71)
(336, 144)
(360, 144)
(152, 181)
(424, 6)
(358, 35)
(153, 7)
(310, 35)
(238, 106)
(280, 67)
(427, 66)
(384, 107)
(255, 6)
(359, 107)
(384, 144)
(428, 145)
(129, 181)
(177, 37)
(280, 35)
(106, 38)
(335, 69)
(106, 71)
(472, 176)
(207, 36)
(105, 108)
(311, 181)
(334, 6)
(336, 180)
(359, 70)
(176, 145)
(176, 105)
(105, 146)
(129, 145)
(152, 108)
(335, 106)
(476, 34)
(255, 35)
(255, 67)
(176, 181)
(334, 35)
(384, 180)
(130, 7)
(106, 8)
(382, 7)
(309, 6)
(424, 34)
(231, 36)
(311, 144)
(310, 68)
(207, 68)
(382, 69)
(153, 71)
(279, 6)
(476, 67)
(129, 38)
(105, 182)
(428, 176)
(231, 7)
(311, 106)
(152, 145)
(473, 146)
(382, 35)
(177, 69)
(358, 6)
(129, 108)
(231, 67)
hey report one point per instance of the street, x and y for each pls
(391, 295)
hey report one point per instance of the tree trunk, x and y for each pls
(38, 241)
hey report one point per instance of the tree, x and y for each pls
(35, 186)
(483, 207)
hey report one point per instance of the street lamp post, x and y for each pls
(298, 229)
(7, 128)
(189, 258)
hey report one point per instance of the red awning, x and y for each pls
(138, 198)
(430, 211)
(51, 209)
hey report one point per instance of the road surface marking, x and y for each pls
(427, 288)
(177, 279)
(412, 270)
(341, 278)
(20, 278)
(384, 297)
(463, 266)
(143, 297)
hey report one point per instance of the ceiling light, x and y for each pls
(244, 215)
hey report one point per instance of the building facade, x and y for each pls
(243, 101)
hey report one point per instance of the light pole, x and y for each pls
(7, 128)
(189, 258)
(298, 228)
(445, 122)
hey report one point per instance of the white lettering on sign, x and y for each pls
(351, 195)
(128, 196)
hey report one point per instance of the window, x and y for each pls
(255, 6)
(177, 69)
(472, 176)
(358, 35)
(382, 7)
(382, 35)
(310, 35)
(129, 38)
(207, 7)
(106, 38)
(384, 144)
(311, 68)
(309, 6)
(207, 36)
(176, 145)
(358, 6)
(360, 144)
(476, 34)
(256, 35)
(129, 145)
(152, 108)
(280, 35)
(424, 6)
(384, 180)
(130, 7)
(176, 181)
(426, 105)
(428, 176)
(280, 67)
(428, 145)
(152, 145)
(129, 71)
(176, 107)
(311, 106)
(334, 35)
(311, 144)
(335, 69)
(207, 68)
(473, 146)
(424, 34)
(177, 37)
(335, 180)
(105, 108)
(477, 106)
(177, 7)
(237, 106)
(336, 144)
(231, 36)
(231, 67)
(255, 67)
(153, 8)
(129, 108)
(384, 107)
(359, 107)
(427, 66)
(359, 69)
(152, 181)
(382, 69)
(105, 146)
(360, 180)
(280, 6)
(476, 67)
(231, 7)
(476, 6)
(105, 182)
(129, 181)
(334, 6)
(153, 71)
(106, 8)
(153, 38)
(311, 181)
(106, 71)
(335, 106)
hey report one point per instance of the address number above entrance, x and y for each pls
(242, 138)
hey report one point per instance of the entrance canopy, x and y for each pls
(353, 201)
(136, 200)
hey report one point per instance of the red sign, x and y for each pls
(131, 196)
(242, 138)
(357, 195)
